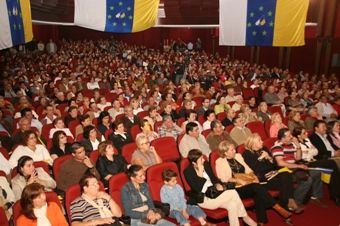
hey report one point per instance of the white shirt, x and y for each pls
(92, 85)
(206, 125)
(40, 154)
(95, 144)
(4, 164)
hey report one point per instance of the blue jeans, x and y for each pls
(161, 222)
(192, 210)
(317, 183)
(302, 190)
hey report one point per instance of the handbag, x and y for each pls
(248, 178)
(164, 207)
(196, 197)
(212, 192)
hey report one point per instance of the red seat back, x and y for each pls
(257, 127)
(157, 125)
(221, 116)
(57, 163)
(108, 133)
(229, 128)
(72, 126)
(269, 142)
(127, 151)
(214, 155)
(166, 148)
(206, 132)
(116, 184)
(3, 218)
(241, 148)
(4, 152)
(94, 155)
(154, 178)
(142, 114)
(183, 165)
(135, 129)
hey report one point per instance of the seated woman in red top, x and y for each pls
(36, 211)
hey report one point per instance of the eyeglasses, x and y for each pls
(145, 143)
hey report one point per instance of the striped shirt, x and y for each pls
(287, 151)
(83, 211)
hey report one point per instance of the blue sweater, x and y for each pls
(174, 196)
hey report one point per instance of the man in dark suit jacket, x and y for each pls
(130, 119)
(319, 139)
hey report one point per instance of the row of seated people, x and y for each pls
(85, 161)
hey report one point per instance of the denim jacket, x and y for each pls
(131, 199)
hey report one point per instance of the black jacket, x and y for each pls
(196, 182)
(323, 153)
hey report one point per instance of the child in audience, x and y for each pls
(173, 194)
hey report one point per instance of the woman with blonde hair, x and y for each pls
(109, 162)
(276, 125)
(260, 161)
(145, 155)
(231, 167)
(294, 120)
(247, 114)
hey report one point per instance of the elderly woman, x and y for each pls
(259, 160)
(231, 167)
(276, 125)
(36, 210)
(60, 145)
(119, 137)
(109, 162)
(137, 201)
(262, 112)
(147, 131)
(199, 176)
(91, 140)
(93, 207)
(30, 148)
(28, 174)
(145, 155)
(294, 120)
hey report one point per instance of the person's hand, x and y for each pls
(264, 155)
(301, 166)
(87, 162)
(152, 149)
(103, 195)
(240, 182)
(101, 221)
(296, 143)
(337, 153)
(219, 187)
(185, 214)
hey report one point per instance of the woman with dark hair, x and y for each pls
(28, 174)
(137, 201)
(31, 148)
(36, 211)
(200, 177)
(94, 207)
(109, 163)
(90, 139)
(120, 137)
(60, 145)
(103, 122)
